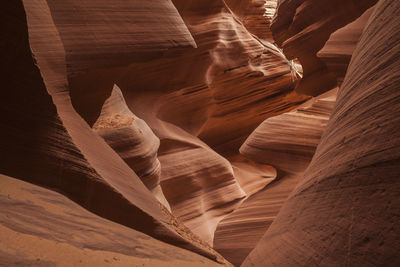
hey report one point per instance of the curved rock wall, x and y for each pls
(256, 15)
(345, 210)
(48, 143)
(287, 142)
(205, 100)
(337, 52)
(102, 37)
(225, 87)
(302, 28)
(134, 108)
(133, 140)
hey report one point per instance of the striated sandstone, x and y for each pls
(256, 15)
(208, 100)
(337, 52)
(302, 28)
(48, 143)
(345, 210)
(182, 121)
(238, 81)
(133, 140)
(102, 37)
(287, 142)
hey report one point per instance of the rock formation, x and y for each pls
(156, 133)
(256, 15)
(337, 51)
(44, 228)
(345, 210)
(48, 143)
(287, 142)
(239, 81)
(133, 140)
(302, 28)
(101, 37)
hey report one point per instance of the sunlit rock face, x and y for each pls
(133, 140)
(302, 28)
(344, 209)
(224, 88)
(203, 104)
(49, 144)
(287, 142)
(166, 132)
(99, 37)
(256, 15)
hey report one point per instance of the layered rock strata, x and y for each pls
(337, 52)
(100, 38)
(208, 100)
(302, 28)
(287, 142)
(133, 140)
(345, 210)
(48, 143)
(256, 15)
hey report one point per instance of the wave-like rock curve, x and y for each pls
(345, 209)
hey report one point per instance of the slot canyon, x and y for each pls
(200, 133)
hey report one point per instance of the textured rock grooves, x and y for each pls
(239, 81)
(355, 169)
(302, 28)
(46, 142)
(287, 142)
(133, 140)
(160, 132)
(337, 52)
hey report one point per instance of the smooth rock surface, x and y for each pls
(345, 210)
(337, 52)
(39, 227)
(302, 28)
(133, 140)
(287, 142)
(203, 104)
(102, 37)
(49, 144)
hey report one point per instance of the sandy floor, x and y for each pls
(43, 228)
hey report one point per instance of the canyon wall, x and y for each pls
(345, 209)
(75, 57)
(189, 127)
(339, 48)
(46, 142)
(203, 105)
(287, 142)
(301, 29)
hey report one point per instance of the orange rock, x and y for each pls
(42, 227)
(133, 140)
(337, 52)
(302, 28)
(48, 143)
(207, 100)
(344, 211)
(287, 142)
